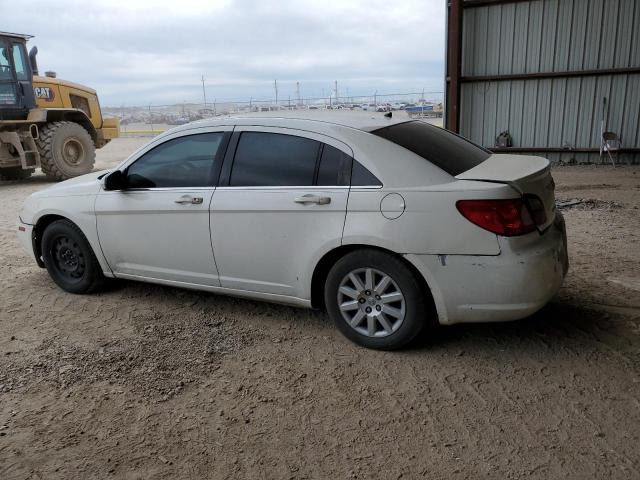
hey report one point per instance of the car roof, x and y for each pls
(324, 124)
(351, 131)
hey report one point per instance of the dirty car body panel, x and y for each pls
(227, 235)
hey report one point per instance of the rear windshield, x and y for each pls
(450, 152)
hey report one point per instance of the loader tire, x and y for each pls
(66, 150)
(15, 173)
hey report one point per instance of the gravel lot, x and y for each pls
(143, 381)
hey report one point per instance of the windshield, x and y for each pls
(450, 152)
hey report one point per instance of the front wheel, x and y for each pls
(69, 258)
(375, 300)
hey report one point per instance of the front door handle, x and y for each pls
(189, 200)
(311, 198)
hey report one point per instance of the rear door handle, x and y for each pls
(189, 200)
(311, 198)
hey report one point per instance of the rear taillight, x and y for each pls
(503, 217)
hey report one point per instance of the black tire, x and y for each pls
(66, 150)
(69, 258)
(414, 306)
(15, 173)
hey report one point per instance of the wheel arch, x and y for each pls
(325, 263)
(38, 230)
(47, 219)
(75, 116)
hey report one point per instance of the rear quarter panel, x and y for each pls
(430, 223)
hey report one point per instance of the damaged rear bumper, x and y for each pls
(512, 285)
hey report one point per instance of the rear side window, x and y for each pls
(334, 167)
(361, 177)
(181, 162)
(273, 159)
(450, 152)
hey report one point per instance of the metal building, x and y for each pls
(554, 73)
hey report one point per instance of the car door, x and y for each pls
(158, 226)
(280, 205)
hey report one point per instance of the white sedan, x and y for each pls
(387, 225)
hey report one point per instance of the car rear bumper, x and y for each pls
(513, 285)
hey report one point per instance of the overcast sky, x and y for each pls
(138, 52)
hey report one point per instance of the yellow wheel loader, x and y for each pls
(46, 122)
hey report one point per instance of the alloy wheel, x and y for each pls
(371, 302)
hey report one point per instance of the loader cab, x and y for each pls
(16, 77)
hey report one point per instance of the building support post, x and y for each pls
(454, 64)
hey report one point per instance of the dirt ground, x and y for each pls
(143, 381)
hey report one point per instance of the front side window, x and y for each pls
(271, 159)
(181, 162)
(20, 62)
(5, 64)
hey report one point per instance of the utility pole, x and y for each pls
(150, 119)
(298, 92)
(336, 88)
(204, 93)
(275, 87)
(214, 106)
(375, 98)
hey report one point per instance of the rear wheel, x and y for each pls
(69, 258)
(375, 300)
(66, 150)
(15, 173)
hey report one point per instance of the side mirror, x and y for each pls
(116, 180)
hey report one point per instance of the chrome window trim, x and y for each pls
(286, 187)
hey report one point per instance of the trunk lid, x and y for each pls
(528, 175)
